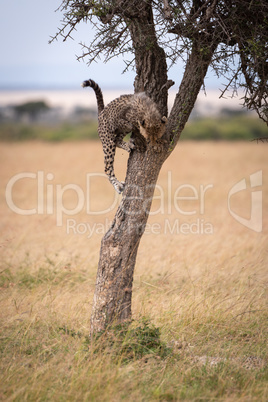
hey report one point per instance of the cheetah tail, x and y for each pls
(98, 93)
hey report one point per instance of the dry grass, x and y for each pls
(205, 291)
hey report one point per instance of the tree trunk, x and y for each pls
(113, 292)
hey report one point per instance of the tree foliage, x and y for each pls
(230, 36)
(236, 30)
(32, 109)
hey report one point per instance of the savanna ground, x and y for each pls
(200, 278)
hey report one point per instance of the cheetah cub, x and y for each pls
(128, 113)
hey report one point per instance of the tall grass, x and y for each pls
(199, 301)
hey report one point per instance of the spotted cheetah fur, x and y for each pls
(129, 113)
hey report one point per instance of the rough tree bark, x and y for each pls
(113, 292)
(199, 26)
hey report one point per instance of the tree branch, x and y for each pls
(200, 26)
(150, 58)
(192, 81)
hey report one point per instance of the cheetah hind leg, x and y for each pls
(109, 170)
(118, 185)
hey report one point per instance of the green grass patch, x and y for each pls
(132, 341)
(49, 273)
(222, 128)
(225, 128)
(59, 132)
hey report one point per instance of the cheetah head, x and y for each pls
(153, 129)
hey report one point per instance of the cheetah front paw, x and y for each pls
(131, 143)
(159, 145)
(139, 143)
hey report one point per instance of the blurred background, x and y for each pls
(41, 97)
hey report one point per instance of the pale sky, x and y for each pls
(27, 60)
